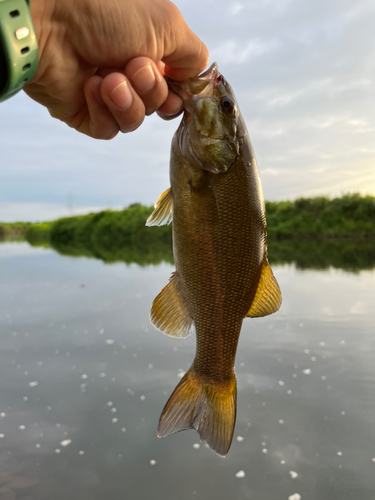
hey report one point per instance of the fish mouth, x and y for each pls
(210, 74)
(201, 84)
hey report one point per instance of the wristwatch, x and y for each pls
(18, 47)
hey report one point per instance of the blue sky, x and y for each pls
(303, 73)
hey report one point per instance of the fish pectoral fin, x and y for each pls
(163, 212)
(267, 299)
(168, 313)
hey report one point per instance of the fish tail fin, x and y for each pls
(210, 408)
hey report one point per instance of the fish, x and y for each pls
(222, 274)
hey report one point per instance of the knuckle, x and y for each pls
(173, 11)
(131, 118)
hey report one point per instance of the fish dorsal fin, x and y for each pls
(168, 313)
(163, 210)
(267, 298)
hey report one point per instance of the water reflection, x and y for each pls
(84, 377)
(350, 255)
(306, 254)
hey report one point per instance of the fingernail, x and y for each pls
(144, 79)
(121, 96)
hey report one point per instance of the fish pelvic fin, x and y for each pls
(267, 299)
(168, 312)
(209, 408)
(163, 213)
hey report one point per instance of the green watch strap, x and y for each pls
(18, 47)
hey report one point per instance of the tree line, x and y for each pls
(122, 235)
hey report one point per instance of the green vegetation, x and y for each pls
(39, 234)
(13, 230)
(108, 235)
(351, 216)
(309, 232)
(350, 255)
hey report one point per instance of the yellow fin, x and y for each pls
(210, 409)
(267, 298)
(168, 313)
(163, 210)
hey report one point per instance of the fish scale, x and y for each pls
(220, 250)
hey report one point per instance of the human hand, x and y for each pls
(101, 64)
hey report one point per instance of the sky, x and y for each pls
(304, 76)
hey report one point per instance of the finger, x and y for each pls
(123, 102)
(148, 82)
(99, 123)
(160, 65)
(173, 105)
(171, 108)
(185, 55)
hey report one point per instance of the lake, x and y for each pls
(84, 378)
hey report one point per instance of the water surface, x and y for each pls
(84, 377)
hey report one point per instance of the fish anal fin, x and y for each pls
(267, 299)
(210, 409)
(163, 212)
(168, 312)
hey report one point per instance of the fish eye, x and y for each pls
(227, 104)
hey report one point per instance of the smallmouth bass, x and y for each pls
(220, 248)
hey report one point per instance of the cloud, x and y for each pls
(235, 8)
(36, 212)
(238, 52)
